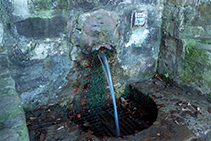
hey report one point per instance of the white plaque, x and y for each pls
(138, 18)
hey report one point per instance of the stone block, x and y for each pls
(21, 8)
(192, 2)
(41, 28)
(7, 83)
(192, 32)
(170, 45)
(177, 2)
(171, 29)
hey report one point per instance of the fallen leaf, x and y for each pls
(89, 135)
(73, 129)
(32, 118)
(38, 108)
(50, 105)
(160, 106)
(136, 131)
(50, 116)
(176, 122)
(158, 77)
(166, 136)
(158, 86)
(27, 123)
(173, 111)
(155, 123)
(81, 137)
(155, 83)
(79, 115)
(61, 127)
(48, 110)
(89, 131)
(147, 139)
(86, 124)
(154, 97)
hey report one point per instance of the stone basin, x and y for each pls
(173, 122)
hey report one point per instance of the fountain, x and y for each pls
(95, 108)
(104, 63)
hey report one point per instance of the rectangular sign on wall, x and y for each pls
(138, 18)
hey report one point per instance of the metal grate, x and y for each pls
(101, 121)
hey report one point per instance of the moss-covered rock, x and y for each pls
(12, 117)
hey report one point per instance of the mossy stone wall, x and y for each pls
(185, 49)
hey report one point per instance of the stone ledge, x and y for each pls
(12, 116)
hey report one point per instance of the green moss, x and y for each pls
(192, 66)
(147, 74)
(64, 4)
(11, 114)
(126, 92)
(41, 5)
(23, 134)
(96, 91)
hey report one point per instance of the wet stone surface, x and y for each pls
(182, 116)
(41, 28)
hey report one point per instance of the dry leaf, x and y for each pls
(155, 123)
(89, 135)
(158, 77)
(81, 137)
(136, 131)
(89, 131)
(79, 115)
(166, 136)
(28, 123)
(154, 97)
(50, 116)
(147, 139)
(38, 108)
(86, 123)
(73, 129)
(50, 105)
(61, 127)
(31, 118)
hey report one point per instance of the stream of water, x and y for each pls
(104, 62)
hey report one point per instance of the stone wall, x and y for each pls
(44, 58)
(185, 50)
(12, 116)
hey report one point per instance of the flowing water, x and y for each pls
(104, 62)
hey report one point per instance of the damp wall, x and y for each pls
(185, 50)
(42, 43)
(42, 40)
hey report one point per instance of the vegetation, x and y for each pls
(193, 64)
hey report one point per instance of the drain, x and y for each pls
(133, 117)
